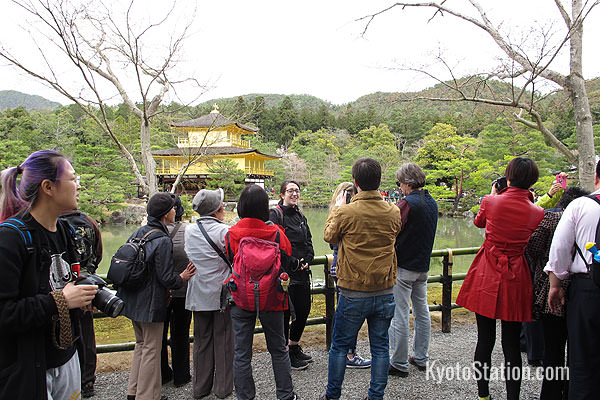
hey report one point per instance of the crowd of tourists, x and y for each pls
(533, 273)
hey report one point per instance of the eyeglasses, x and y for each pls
(398, 183)
(293, 191)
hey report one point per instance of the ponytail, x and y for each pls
(10, 201)
(41, 165)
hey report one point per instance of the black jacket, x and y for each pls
(26, 311)
(298, 233)
(149, 304)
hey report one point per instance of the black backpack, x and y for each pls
(129, 267)
(85, 240)
(594, 267)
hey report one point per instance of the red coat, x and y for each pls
(498, 284)
(258, 229)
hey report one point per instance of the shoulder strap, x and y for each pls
(228, 242)
(279, 213)
(145, 238)
(20, 227)
(212, 244)
(174, 232)
(597, 200)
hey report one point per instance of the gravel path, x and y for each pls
(446, 351)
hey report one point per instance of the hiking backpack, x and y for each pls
(594, 267)
(85, 240)
(129, 266)
(256, 269)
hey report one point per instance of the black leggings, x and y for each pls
(486, 338)
(300, 298)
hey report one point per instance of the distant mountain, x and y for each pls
(10, 99)
(300, 101)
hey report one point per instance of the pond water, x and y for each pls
(451, 233)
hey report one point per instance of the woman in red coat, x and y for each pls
(498, 285)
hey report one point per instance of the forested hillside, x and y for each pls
(13, 99)
(462, 146)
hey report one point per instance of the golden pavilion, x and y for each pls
(208, 139)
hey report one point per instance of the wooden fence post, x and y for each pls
(447, 292)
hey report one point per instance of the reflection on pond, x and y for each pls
(451, 233)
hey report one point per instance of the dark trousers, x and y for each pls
(213, 354)
(243, 331)
(179, 320)
(486, 338)
(300, 299)
(86, 349)
(556, 386)
(534, 338)
(583, 326)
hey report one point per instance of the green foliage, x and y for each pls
(227, 176)
(461, 146)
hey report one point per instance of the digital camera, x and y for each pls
(105, 299)
(500, 183)
(350, 191)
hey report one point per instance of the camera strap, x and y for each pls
(213, 245)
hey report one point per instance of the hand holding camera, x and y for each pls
(78, 296)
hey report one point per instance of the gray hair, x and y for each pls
(412, 175)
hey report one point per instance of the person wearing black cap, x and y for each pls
(147, 306)
(178, 318)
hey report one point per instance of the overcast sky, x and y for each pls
(316, 47)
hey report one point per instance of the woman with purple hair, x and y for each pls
(38, 298)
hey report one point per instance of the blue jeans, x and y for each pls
(411, 286)
(349, 317)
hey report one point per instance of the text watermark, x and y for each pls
(439, 372)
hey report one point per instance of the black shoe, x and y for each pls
(298, 353)
(87, 390)
(167, 378)
(412, 361)
(397, 372)
(297, 364)
(536, 363)
(183, 383)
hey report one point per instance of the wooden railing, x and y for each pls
(328, 290)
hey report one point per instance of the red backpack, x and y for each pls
(256, 269)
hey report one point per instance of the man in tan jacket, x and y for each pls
(365, 231)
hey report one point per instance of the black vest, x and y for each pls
(415, 241)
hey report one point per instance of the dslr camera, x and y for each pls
(105, 300)
(500, 183)
(350, 191)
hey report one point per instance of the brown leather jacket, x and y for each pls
(366, 231)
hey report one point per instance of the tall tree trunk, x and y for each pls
(147, 159)
(581, 105)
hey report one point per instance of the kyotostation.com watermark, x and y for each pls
(439, 372)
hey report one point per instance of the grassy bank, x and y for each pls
(119, 330)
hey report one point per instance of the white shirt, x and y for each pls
(578, 223)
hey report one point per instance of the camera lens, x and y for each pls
(108, 303)
(105, 300)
